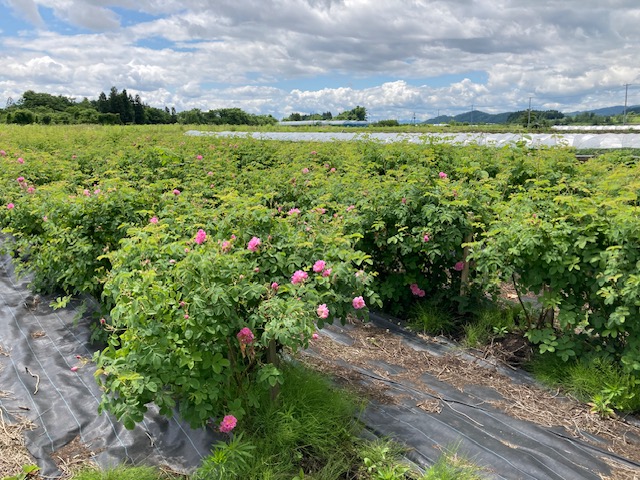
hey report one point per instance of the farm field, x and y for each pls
(212, 255)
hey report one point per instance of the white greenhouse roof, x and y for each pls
(576, 140)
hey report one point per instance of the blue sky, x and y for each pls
(395, 57)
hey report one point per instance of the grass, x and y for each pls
(123, 472)
(589, 379)
(430, 319)
(452, 466)
(489, 323)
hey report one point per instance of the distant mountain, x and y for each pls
(608, 111)
(476, 116)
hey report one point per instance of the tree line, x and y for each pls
(357, 113)
(115, 108)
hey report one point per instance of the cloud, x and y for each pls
(27, 9)
(410, 55)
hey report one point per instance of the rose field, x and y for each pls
(213, 257)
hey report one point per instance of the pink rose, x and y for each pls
(358, 303)
(275, 286)
(459, 266)
(176, 192)
(10, 206)
(201, 237)
(153, 220)
(299, 276)
(319, 266)
(253, 244)
(245, 336)
(322, 311)
(20, 160)
(228, 423)
(326, 272)
(442, 175)
(425, 238)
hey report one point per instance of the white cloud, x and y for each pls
(493, 54)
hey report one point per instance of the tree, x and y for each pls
(359, 113)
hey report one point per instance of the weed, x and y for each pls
(123, 472)
(430, 319)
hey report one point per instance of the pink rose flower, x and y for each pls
(20, 160)
(326, 272)
(31, 190)
(20, 179)
(275, 286)
(358, 303)
(315, 336)
(3, 153)
(253, 244)
(245, 336)
(228, 423)
(225, 246)
(294, 211)
(10, 206)
(459, 266)
(199, 157)
(201, 237)
(305, 170)
(299, 276)
(442, 175)
(86, 193)
(322, 311)
(417, 291)
(350, 207)
(153, 220)
(425, 238)
(319, 266)
(176, 192)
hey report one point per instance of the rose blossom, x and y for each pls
(253, 244)
(358, 303)
(228, 423)
(323, 311)
(319, 266)
(245, 336)
(201, 236)
(299, 276)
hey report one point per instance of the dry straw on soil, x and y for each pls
(527, 402)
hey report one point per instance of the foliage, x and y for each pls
(123, 472)
(28, 471)
(312, 427)
(178, 305)
(434, 223)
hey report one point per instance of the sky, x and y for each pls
(397, 58)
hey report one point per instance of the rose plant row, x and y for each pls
(211, 255)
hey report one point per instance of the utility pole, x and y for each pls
(624, 115)
(529, 118)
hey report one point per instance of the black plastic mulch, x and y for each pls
(464, 420)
